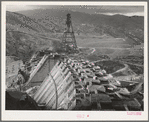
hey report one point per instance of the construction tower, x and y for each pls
(68, 39)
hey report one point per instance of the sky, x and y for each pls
(104, 9)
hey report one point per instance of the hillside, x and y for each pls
(23, 45)
(24, 36)
(16, 21)
(118, 26)
(28, 32)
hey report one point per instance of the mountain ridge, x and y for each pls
(118, 25)
(40, 30)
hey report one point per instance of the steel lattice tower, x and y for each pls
(68, 39)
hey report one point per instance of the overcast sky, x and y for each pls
(109, 10)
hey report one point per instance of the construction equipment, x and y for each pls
(68, 40)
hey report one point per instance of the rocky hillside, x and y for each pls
(24, 36)
(16, 21)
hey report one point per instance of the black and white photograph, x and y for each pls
(74, 60)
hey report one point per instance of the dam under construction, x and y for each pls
(63, 83)
(68, 81)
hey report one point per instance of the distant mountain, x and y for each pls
(118, 26)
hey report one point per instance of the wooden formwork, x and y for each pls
(57, 90)
(39, 73)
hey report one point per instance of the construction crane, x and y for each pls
(68, 39)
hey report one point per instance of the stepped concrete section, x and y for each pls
(57, 89)
(81, 85)
(41, 70)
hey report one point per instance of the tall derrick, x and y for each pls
(68, 40)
